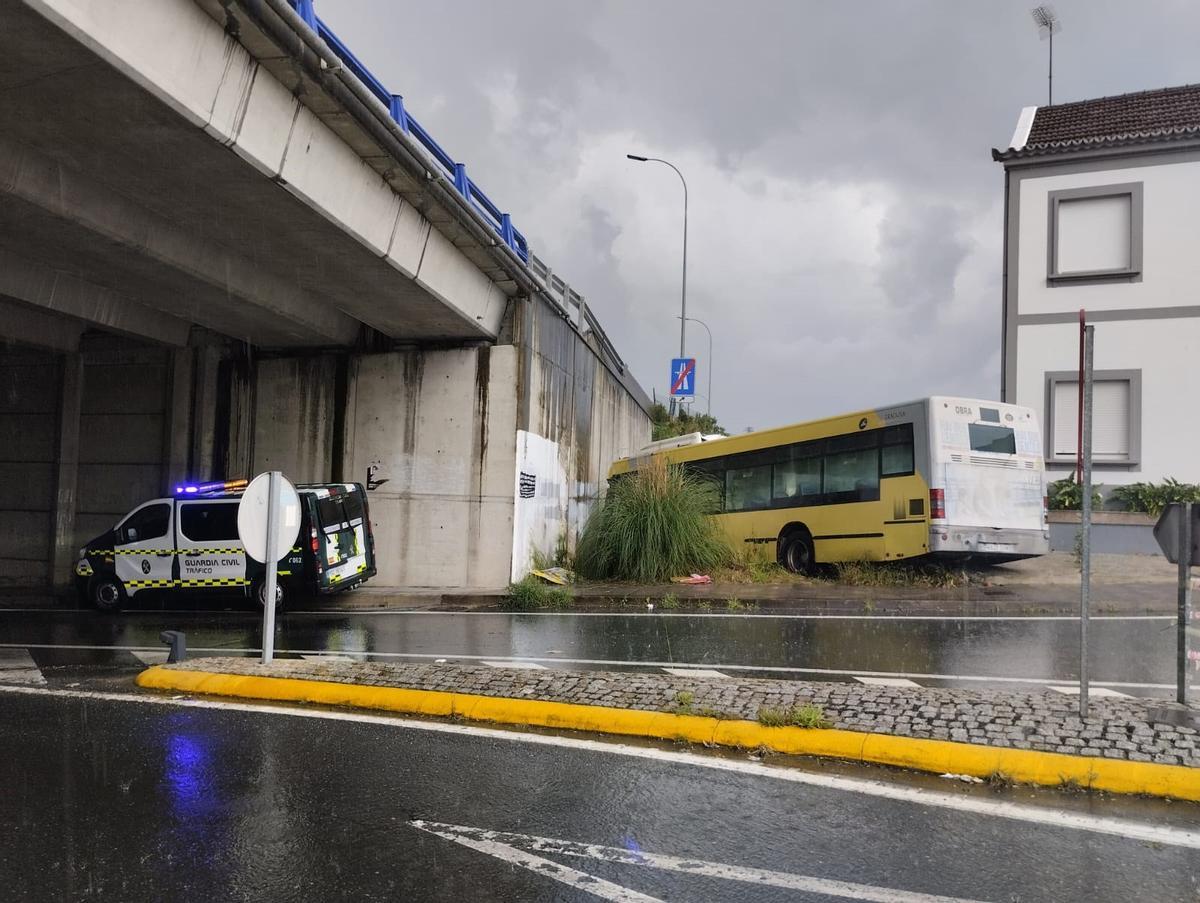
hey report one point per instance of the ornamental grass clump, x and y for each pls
(652, 525)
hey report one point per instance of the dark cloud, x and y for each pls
(845, 229)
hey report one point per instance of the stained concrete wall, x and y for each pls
(29, 400)
(440, 426)
(123, 424)
(295, 403)
(581, 414)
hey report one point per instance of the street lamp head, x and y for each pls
(636, 157)
(1046, 20)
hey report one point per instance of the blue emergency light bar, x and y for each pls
(204, 488)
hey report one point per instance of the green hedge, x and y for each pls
(1067, 495)
(1152, 498)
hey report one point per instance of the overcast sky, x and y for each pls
(845, 219)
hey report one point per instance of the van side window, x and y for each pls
(150, 522)
(209, 521)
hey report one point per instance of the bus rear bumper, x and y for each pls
(988, 542)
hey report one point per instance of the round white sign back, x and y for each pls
(252, 518)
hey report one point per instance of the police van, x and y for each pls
(189, 543)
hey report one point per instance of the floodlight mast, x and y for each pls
(1048, 23)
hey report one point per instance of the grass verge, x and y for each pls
(532, 594)
(806, 715)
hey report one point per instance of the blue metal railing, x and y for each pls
(457, 172)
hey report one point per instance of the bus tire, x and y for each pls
(258, 591)
(796, 552)
(106, 593)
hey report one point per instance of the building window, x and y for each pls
(1116, 417)
(1095, 233)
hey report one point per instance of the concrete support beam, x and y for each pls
(70, 404)
(30, 326)
(224, 286)
(61, 293)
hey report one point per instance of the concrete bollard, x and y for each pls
(177, 640)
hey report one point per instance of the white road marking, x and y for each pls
(18, 666)
(598, 887)
(695, 672)
(887, 681)
(473, 837)
(368, 612)
(516, 664)
(753, 669)
(986, 806)
(1092, 691)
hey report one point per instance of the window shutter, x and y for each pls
(1110, 419)
(1066, 418)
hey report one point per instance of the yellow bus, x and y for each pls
(940, 476)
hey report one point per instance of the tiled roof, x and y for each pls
(1145, 117)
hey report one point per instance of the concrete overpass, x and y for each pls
(225, 246)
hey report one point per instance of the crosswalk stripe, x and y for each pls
(695, 672)
(532, 666)
(18, 666)
(887, 681)
(1092, 691)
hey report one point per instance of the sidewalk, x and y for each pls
(1125, 746)
(1121, 584)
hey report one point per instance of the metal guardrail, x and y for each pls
(570, 302)
(501, 222)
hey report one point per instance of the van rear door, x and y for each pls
(342, 530)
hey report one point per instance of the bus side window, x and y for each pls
(798, 480)
(852, 475)
(714, 473)
(747, 488)
(898, 450)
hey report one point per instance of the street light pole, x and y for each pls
(683, 303)
(708, 398)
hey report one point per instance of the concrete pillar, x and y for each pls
(205, 406)
(70, 401)
(179, 419)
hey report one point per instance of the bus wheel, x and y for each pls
(259, 591)
(796, 552)
(106, 593)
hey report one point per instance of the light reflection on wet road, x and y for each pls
(1133, 654)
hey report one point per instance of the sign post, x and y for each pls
(1178, 532)
(1085, 514)
(268, 523)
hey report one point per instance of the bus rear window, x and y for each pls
(996, 439)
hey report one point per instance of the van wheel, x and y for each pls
(106, 593)
(259, 592)
(796, 552)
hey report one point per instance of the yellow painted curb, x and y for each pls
(938, 756)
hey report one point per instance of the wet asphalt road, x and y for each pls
(1130, 654)
(126, 800)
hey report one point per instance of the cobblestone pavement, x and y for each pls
(1116, 728)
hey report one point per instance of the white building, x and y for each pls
(1102, 212)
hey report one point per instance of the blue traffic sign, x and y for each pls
(683, 377)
